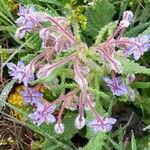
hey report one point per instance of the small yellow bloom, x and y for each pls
(16, 99)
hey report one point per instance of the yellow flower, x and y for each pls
(16, 99)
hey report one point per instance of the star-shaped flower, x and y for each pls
(20, 72)
(139, 45)
(32, 96)
(104, 126)
(43, 114)
(116, 86)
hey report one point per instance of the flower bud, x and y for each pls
(59, 128)
(128, 16)
(80, 122)
(45, 71)
(130, 78)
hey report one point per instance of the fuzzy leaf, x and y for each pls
(106, 30)
(70, 129)
(131, 67)
(133, 142)
(147, 31)
(115, 145)
(28, 58)
(98, 16)
(96, 143)
(5, 92)
(138, 29)
(141, 85)
(55, 2)
(145, 16)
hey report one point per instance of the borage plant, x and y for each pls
(76, 72)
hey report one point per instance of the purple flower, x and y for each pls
(25, 18)
(138, 46)
(20, 72)
(116, 86)
(43, 114)
(32, 96)
(27, 21)
(104, 126)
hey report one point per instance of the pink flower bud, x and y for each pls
(59, 128)
(130, 78)
(79, 78)
(45, 71)
(80, 122)
(128, 15)
(127, 18)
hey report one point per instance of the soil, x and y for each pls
(14, 136)
(131, 115)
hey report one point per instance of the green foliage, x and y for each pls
(70, 130)
(26, 59)
(5, 92)
(141, 85)
(55, 2)
(144, 103)
(106, 31)
(131, 67)
(145, 16)
(34, 42)
(138, 29)
(96, 143)
(114, 144)
(98, 16)
(147, 31)
(133, 142)
(101, 22)
(5, 12)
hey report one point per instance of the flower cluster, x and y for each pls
(59, 38)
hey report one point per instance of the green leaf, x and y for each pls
(5, 9)
(133, 142)
(116, 146)
(26, 2)
(49, 78)
(70, 129)
(123, 7)
(141, 85)
(131, 67)
(98, 16)
(145, 16)
(106, 30)
(55, 2)
(147, 31)
(5, 92)
(97, 92)
(35, 42)
(145, 103)
(28, 58)
(96, 143)
(138, 29)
